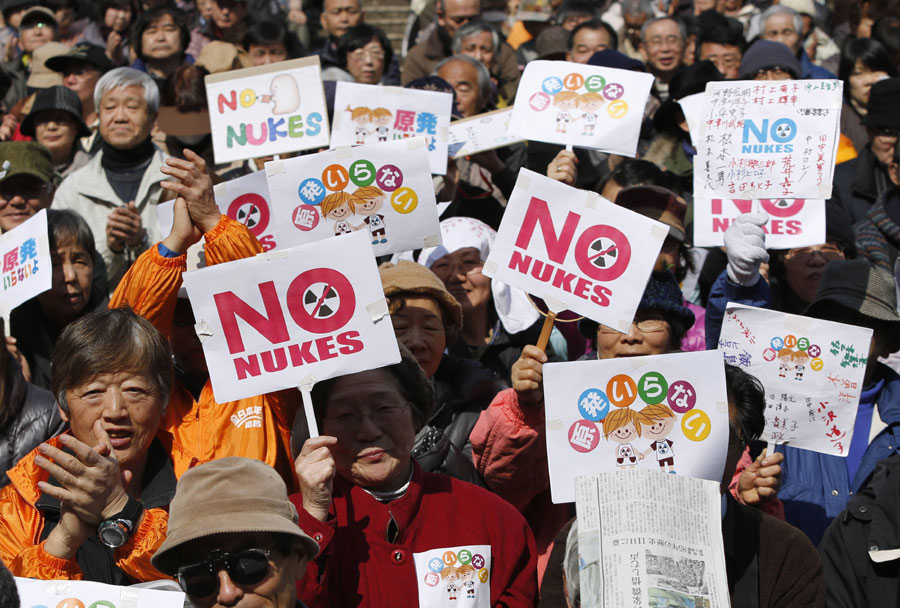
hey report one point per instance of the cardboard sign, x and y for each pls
(768, 139)
(368, 114)
(291, 317)
(581, 105)
(664, 413)
(481, 133)
(27, 270)
(792, 222)
(266, 110)
(382, 190)
(449, 576)
(692, 108)
(812, 371)
(79, 594)
(246, 199)
(576, 248)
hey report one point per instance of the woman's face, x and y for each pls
(56, 130)
(461, 273)
(649, 334)
(117, 19)
(73, 272)
(803, 268)
(419, 327)
(264, 54)
(373, 424)
(861, 81)
(479, 46)
(366, 64)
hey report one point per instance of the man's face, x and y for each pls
(882, 140)
(36, 35)
(587, 42)
(780, 28)
(124, 117)
(81, 77)
(457, 13)
(726, 58)
(227, 13)
(21, 196)
(663, 47)
(772, 73)
(264, 54)
(338, 16)
(162, 39)
(464, 79)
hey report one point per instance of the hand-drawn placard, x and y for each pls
(768, 139)
(580, 105)
(25, 255)
(448, 574)
(366, 114)
(812, 371)
(664, 413)
(266, 110)
(792, 222)
(78, 594)
(481, 133)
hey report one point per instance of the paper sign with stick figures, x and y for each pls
(368, 114)
(812, 371)
(384, 190)
(665, 413)
(481, 133)
(580, 105)
(454, 576)
(266, 110)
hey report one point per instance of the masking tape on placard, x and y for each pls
(523, 181)
(555, 424)
(392, 90)
(57, 588)
(796, 323)
(203, 330)
(273, 255)
(343, 152)
(722, 407)
(591, 200)
(307, 383)
(432, 240)
(624, 326)
(414, 143)
(636, 362)
(490, 268)
(554, 304)
(274, 167)
(129, 598)
(659, 232)
(836, 103)
(378, 309)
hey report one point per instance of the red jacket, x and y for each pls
(361, 566)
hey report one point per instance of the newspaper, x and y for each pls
(650, 540)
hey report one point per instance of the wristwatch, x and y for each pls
(115, 531)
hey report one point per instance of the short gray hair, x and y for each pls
(777, 9)
(572, 567)
(484, 76)
(681, 29)
(472, 28)
(128, 77)
(637, 7)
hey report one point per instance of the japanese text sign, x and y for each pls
(366, 114)
(580, 105)
(664, 413)
(812, 371)
(246, 199)
(79, 594)
(266, 110)
(768, 139)
(383, 190)
(481, 133)
(292, 316)
(25, 255)
(792, 222)
(449, 575)
(575, 247)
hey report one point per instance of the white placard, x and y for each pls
(272, 321)
(27, 270)
(266, 110)
(657, 413)
(581, 105)
(768, 139)
(692, 108)
(246, 199)
(792, 222)
(575, 247)
(481, 133)
(74, 594)
(367, 114)
(812, 371)
(454, 576)
(383, 190)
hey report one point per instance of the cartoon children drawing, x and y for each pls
(372, 200)
(339, 207)
(381, 118)
(565, 102)
(467, 580)
(785, 362)
(588, 103)
(450, 576)
(799, 359)
(623, 426)
(361, 116)
(661, 422)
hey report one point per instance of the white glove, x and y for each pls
(745, 245)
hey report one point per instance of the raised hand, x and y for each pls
(315, 470)
(194, 185)
(528, 376)
(760, 482)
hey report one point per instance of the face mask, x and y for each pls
(190, 140)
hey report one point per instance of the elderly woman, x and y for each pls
(390, 532)
(364, 54)
(91, 504)
(479, 40)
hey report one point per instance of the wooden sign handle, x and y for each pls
(545, 330)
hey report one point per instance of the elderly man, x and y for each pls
(662, 49)
(588, 38)
(26, 182)
(81, 68)
(118, 190)
(769, 60)
(479, 40)
(724, 47)
(228, 23)
(233, 538)
(338, 17)
(783, 24)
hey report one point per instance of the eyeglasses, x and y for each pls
(444, 269)
(775, 70)
(645, 326)
(383, 416)
(360, 54)
(828, 251)
(37, 25)
(461, 19)
(659, 41)
(28, 192)
(245, 567)
(886, 131)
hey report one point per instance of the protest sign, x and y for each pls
(763, 139)
(812, 371)
(246, 199)
(792, 222)
(576, 248)
(27, 270)
(383, 190)
(266, 110)
(78, 594)
(367, 114)
(692, 108)
(291, 317)
(664, 413)
(481, 133)
(454, 572)
(581, 105)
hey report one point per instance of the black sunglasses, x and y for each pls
(245, 567)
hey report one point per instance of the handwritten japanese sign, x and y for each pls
(481, 133)
(792, 222)
(25, 259)
(265, 110)
(812, 371)
(366, 114)
(271, 321)
(383, 190)
(79, 594)
(767, 139)
(580, 105)
(664, 413)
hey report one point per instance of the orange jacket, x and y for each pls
(21, 525)
(199, 431)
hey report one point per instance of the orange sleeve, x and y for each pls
(228, 241)
(34, 562)
(134, 556)
(19, 528)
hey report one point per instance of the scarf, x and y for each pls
(115, 159)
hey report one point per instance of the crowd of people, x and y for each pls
(119, 465)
